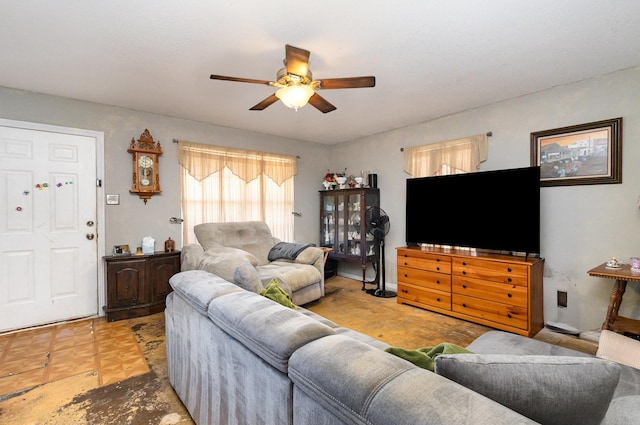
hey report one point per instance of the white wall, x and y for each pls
(130, 221)
(581, 226)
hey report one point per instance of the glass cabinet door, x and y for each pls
(354, 224)
(328, 221)
(342, 234)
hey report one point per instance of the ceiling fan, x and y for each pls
(296, 86)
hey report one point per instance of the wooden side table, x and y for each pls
(622, 275)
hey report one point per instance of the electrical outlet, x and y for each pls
(562, 298)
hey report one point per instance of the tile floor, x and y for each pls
(34, 357)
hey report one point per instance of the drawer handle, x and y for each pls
(438, 268)
(509, 295)
(509, 315)
(464, 272)
(437, 282)
(406, 264)
(509, 269)
(464, 286)
(464, 305)
(509, 279)
(404, 290)
(437, 260)
(464, 263)
(438, 299)
(406, 275)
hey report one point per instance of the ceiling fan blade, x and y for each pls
(240, 80)
(347, 83)
(321, 104)
(265, 103)
(297, 60)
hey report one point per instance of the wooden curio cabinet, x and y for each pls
(343, 229)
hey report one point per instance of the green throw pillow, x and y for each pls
(274, 292)
(425, 357)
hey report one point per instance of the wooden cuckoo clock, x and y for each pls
(146, 180)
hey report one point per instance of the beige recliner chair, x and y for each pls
(246, 254)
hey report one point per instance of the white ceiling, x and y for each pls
(431, 58)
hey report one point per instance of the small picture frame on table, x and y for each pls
(121, 250)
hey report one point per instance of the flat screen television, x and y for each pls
(490, 210)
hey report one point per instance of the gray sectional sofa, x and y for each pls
(235, 357)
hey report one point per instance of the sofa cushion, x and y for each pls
(548, 389)
(269, 330)
(190, 255)
(198, 288)
(293, 276)
(341, 380)
(223, 261)
(623, 411)
(246, 277)
(259, 249)
(619, 348)
(500, 342)
(251, 236)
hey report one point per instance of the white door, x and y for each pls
(48, 236)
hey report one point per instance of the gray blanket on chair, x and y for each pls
(287, 250)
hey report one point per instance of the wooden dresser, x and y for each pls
(500, 291)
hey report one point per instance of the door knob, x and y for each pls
(90, 223)
(90, 236)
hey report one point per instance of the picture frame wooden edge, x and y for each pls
(615, 124)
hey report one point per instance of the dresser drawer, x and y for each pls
(493, 291)
(423, 278)
(496, 271)
(490, 310)
(430, 262)
(424, 296)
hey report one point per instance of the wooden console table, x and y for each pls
(621, 275)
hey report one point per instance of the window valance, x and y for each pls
(460, 155)
(202, 160)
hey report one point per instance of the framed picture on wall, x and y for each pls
(581, 154)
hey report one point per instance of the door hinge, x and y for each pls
(98, 183)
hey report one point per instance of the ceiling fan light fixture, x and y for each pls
(295, 96)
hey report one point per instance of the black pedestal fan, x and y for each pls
(377, 224)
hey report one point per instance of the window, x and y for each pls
(451, 157)
(225, 185)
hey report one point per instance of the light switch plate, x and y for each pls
(113, 199)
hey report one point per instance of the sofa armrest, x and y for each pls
(313, 256)
(190, 256)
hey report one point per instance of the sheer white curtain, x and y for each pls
(222, 184)
(450, 157)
